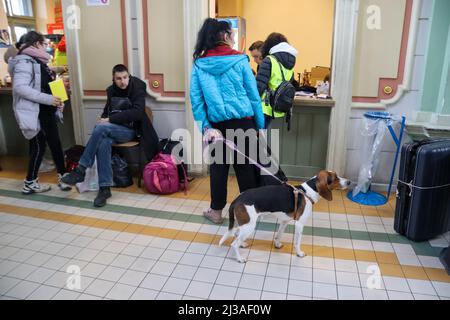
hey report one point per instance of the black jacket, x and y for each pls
(136, 92)
(265, 69)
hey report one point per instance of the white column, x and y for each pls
(195, 12)
(72, 21)
(344, 45)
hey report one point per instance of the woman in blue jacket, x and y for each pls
(224, 96)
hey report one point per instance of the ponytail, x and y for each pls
(210, 35)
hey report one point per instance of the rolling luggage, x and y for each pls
(423, 211)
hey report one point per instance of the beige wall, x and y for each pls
(378, 51)
(166, 41)
(307, 24)
(3, 18)
(101, 45)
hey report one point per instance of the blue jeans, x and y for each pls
(100, 146)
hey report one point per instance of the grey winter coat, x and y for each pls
(27, 95)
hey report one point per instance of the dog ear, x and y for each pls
(323, 186)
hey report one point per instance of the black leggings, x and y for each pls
(246, 174)
(48, 135)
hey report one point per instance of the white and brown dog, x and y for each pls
(283, 201)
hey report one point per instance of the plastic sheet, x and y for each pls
(375, 128)
(90, 182)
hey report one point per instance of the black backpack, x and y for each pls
(166, 146)
(282, 99)
(121, 172)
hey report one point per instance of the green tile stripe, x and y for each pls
(423, 248)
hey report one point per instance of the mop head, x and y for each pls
(369, 198)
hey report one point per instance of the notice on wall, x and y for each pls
(97, 3)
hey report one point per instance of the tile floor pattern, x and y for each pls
(146, 247)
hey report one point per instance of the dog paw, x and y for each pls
(278, 245)
(244, 245)
(301, 254)
(242, 260)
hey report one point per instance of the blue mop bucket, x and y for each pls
(371, 198)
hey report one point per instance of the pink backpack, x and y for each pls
(161, 176)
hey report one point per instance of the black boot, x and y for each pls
(103, 194)
(76, 176)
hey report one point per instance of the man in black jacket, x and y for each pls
(116, 125)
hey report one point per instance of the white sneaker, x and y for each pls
(62, 186)
(46, 166)
(30, 187)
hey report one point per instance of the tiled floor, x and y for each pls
(146, 247)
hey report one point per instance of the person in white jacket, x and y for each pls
(35, 109)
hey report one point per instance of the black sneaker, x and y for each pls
(76, 176)
(103, 194)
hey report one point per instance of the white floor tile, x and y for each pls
(348, 279)
(123, 261)
(324, 276)
(112, 274)
(169, 296)
(144, 294)
(442, 289)
(278, 270)
(323, 263)
(257, 268)
(184, 272)
(424, 297)
(349, 293)
(396, 284)
(278, 285)
(99, 288)
(266, 295)
(121, 292)
(22, 271)
(171, 256)
(7, 283)
(325, 291)
(22, 290)
(176, 286)
(229, 278)
(66, 295)
(373, 294)
(300, 288)
(220, 292)
(396, 295)
(143, 264)
(132, 278)
(212, 262)
(206, 275)
(163, 268)
(154, 282)
(247, 294)
(199, 289)
(421, 287)
(250, 281)
(40, 275)
(43, 293)
(93, 270)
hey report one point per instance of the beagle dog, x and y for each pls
(286, 202)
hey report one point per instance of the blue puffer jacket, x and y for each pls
(224, 88)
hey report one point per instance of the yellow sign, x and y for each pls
(59, 90)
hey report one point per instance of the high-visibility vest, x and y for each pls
(276, 78)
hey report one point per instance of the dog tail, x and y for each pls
(230, 231)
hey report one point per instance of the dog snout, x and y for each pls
(345, 183)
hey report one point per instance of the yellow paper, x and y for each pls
(59, 90)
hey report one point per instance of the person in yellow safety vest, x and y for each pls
(279, 58)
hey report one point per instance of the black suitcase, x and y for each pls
(423, 214)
